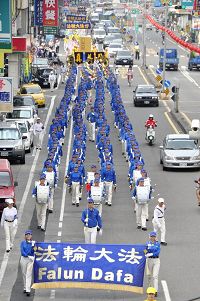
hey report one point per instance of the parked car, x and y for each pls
(179, 151)
(41, 77)
(7, 184)
(25, 101)
(124, 57)
(194, 63)
(111, 30)
(110, 39)
(34, 90)
(22, 114)
(11, 144)
(145, 95)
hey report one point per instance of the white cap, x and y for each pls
(9, 201)
(161, 200)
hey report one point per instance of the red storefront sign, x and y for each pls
(50, 12)
(19, 44)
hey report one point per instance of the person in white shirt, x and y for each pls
(63, 71)
(159, 220)
(9, 222)
(52, 80)
(37, 130)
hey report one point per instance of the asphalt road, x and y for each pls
(179, 260)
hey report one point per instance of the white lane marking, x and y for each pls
(52, 294)
(26, 191)
(182, 55)
(187, 75)
(60, 225)
(58, 240)
(59, 233)
(166, 290)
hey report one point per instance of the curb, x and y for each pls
(178, 117)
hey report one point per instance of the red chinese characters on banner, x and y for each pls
(50, 12)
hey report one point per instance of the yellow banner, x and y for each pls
(85, 44)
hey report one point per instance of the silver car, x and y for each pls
(179, 151)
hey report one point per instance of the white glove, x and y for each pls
(100, 232)
(56, 185)
(33, 196)
(15, 223)
(31, 258)
(86, 220)
(33, 243)
(149, 255)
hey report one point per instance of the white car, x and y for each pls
(114, 48)
(22, 114)
(99, 35)
(27, 132)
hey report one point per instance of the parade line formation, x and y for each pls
(99, 184)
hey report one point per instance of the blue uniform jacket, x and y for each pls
(153, 248)
(26, 248)
(93, 216)
(108, 175)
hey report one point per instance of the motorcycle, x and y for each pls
(150, 135)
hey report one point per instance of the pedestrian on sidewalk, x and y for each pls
(27, 261)
(92, 223)
(9, 222)
(63, 71)
(153, 260)
(159, 220)
(137, 51)
(37, 131)
(52, 80)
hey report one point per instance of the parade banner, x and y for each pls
(76, 18)
(38, 12)
(6, 94)
(5, 26)
(113, 267)
(78, 25)
(50, 13)
(81, 57)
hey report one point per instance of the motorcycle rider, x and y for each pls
(150, 122)
(129, 75)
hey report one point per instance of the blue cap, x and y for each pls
(28, 232)
(90, 200)
(43, 176)
(152, 234)
(141, 180)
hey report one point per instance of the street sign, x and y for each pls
(158, 71)
(6, 94)
(166, 91)
(158, 78)
(50, 30)
(135, 11)
(167, 83)
(187, 4)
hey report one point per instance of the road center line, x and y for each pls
(143, 76)
(166, 290)
(26, 191)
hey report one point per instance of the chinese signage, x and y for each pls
(196, 6)
(75, 18)
(5, 26)
(85, 44)
(19, 44)
(38, 12)
(78, 25)
(76, 3)
(113, 267)
(50, 13)
(6, 94)
(52, 30)
(81, 57)
(187, 3)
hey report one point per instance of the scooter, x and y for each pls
(150, 135)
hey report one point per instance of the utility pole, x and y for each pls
(144, 35)
(165, 46)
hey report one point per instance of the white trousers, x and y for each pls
(52, 83)
(9, 233)
(63, 77)
(160, 229)
(91, 130)
(27, 268)
(75, 192)
(38, 139)
(41, 214)
(50, 203)
(153, 267)
(141, 214)
(109, 186)
(90, 235)
(99, 208)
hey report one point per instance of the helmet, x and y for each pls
(151, 116)
(151, 290)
